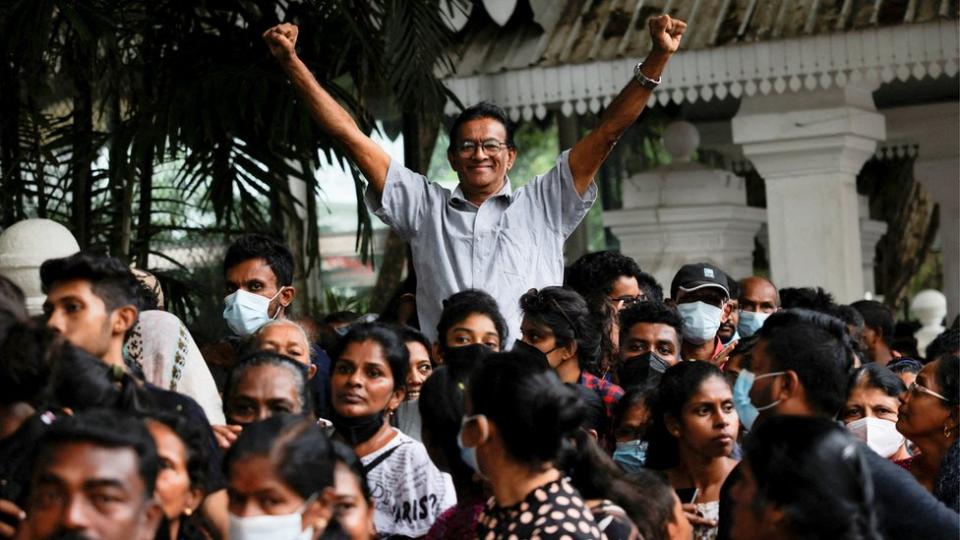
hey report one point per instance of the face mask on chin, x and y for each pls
(357, 429)
(246, 312)
(268, 527)
(700, 321)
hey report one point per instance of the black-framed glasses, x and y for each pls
(491, 147)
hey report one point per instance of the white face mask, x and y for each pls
(267, 527)
(700, 321)
(880, 435)
(246, 312)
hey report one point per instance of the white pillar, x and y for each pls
(686, 212)
(809, 148)
(870, 232)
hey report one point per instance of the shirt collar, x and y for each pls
(505, 191)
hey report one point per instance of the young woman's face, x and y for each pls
(922, 413)
(420, 368)
(868, 402)
(173, 481)
(262, 392)
(543, 338)
(476, 328)
(353, 510)
(708, 421)
(362, 383)
(255, 489)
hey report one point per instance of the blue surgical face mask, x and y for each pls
(631, 455)
(468, 454)
(700, 321)
(750, 322)
(747, 411)
(246, 312)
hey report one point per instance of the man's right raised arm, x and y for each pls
(372, 161)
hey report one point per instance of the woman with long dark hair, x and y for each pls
(367, 384)
(692, 435)
(519, 421)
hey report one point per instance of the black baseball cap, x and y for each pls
(696, 276)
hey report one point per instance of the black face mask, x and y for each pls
(466, 355)
(531, 352)
(641, 370)
(357, 429)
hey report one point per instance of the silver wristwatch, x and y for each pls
(645, 81)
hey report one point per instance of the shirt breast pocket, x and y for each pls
(516, 251)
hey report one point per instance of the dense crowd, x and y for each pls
(725, 410)
(503, 397)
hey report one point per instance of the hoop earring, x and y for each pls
(947, 431)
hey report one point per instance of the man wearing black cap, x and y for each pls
(701, 294)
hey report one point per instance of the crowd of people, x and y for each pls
(615, 413)
(507, 398)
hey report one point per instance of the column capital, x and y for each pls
(813, 133)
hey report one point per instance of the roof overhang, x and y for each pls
(881, 54)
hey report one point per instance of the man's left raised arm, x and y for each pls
(590, 152)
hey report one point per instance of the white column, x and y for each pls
(809, 148)
(685, 212)
(870, 232)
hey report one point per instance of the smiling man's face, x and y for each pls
(478, 170)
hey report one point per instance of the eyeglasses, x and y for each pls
(914, 388)
(624, 302)
(491, 147)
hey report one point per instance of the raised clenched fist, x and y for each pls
(282, 40)
(666, 32)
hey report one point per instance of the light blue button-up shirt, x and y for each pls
(506, 246)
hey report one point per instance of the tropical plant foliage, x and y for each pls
(136, 121)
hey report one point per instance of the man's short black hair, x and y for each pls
(109, 278)
(815, 299)
(877, 317)
(109, 429)
(594, 274)
(484, 109)
(817, 348)
(652, 313)
(258, 246)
